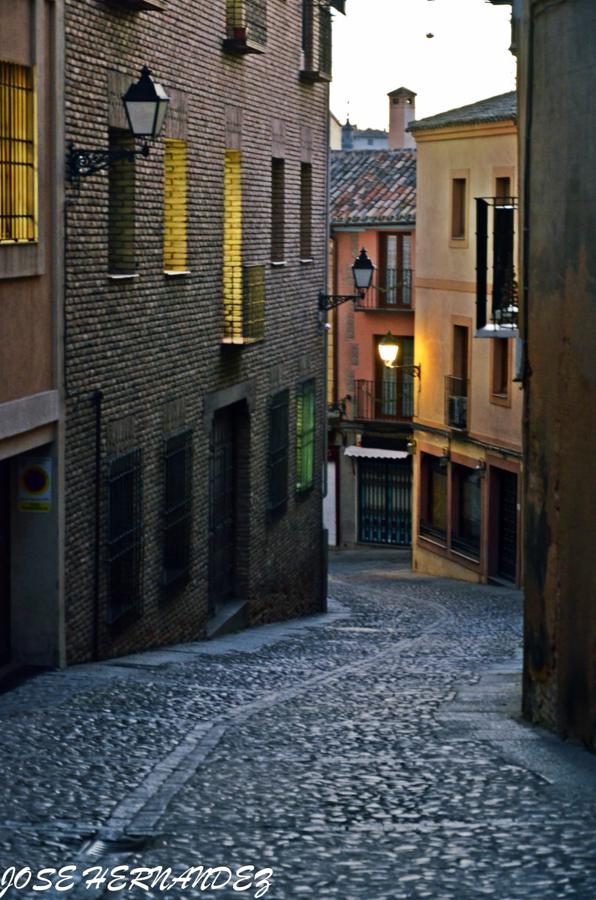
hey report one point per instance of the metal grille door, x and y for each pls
(222, 511)
(385, 501)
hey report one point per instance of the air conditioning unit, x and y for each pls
(457, 412)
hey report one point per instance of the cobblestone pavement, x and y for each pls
(375, 752)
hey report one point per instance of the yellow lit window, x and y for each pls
(232, 248)
(175, 206)
(18, 162)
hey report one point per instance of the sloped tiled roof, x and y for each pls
(373, 187)
(493, 109)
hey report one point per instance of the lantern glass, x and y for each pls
(146, 104)
(388, 349)
(362, 271)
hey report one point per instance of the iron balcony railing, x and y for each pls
(324, 42)
(244, 304)
(394, 291)
(316, 54)
(392, 400)
(246, 26)
(456, 402)
(496, 216)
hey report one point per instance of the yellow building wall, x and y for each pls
(175, 205)
(446, 280)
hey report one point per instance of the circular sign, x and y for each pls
(35, 480)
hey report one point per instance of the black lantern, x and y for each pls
(146, 104)
(363, 270)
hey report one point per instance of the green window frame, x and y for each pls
(305, 435)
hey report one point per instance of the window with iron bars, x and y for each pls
(177, 511)
(305, 435)
(246, 26)
(18, 164)
(500, 213)
(244, 304)
(278, 453)
(125, 530)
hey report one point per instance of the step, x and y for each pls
(229, 618)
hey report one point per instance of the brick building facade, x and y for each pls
(182, 509)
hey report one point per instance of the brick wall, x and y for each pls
(152, 343)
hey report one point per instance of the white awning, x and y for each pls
(375, 453)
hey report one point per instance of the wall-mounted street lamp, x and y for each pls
(145, 103)
(362, 272)
(388, 351)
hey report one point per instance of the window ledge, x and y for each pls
(177, 273)
(500, 399)
(158, 5)
(129, 276)
(278, 263)
(307, 261)
(241, 45)
(241, 341)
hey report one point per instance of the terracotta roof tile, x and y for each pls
(373, 186)
(493, 109)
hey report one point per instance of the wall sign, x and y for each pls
(35, 484)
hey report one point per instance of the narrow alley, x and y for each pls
(373, 752)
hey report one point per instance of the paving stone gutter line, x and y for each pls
(139, 813)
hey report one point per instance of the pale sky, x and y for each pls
(381, 45)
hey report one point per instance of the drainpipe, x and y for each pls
(96, 400)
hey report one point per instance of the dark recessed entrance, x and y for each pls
(226, 482)
(4, 563)
(507, 527)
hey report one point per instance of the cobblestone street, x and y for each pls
(374, 752)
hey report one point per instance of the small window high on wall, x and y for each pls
(458, 209)
(306, 211)
(277, 209)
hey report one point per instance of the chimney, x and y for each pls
(402, 111)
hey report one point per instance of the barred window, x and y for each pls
(177, 510)
(175, 206)
(121, 209)
(305, 435)
(277, 209)
(18, 155)
(125, 535)
(246, 26)
(278, 452)
(305, 211)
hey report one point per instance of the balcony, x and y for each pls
(384, 401)
(456, 402)
(316, 66)
(501, 320)
(246, 26)
(244, 304)
(393, 293)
